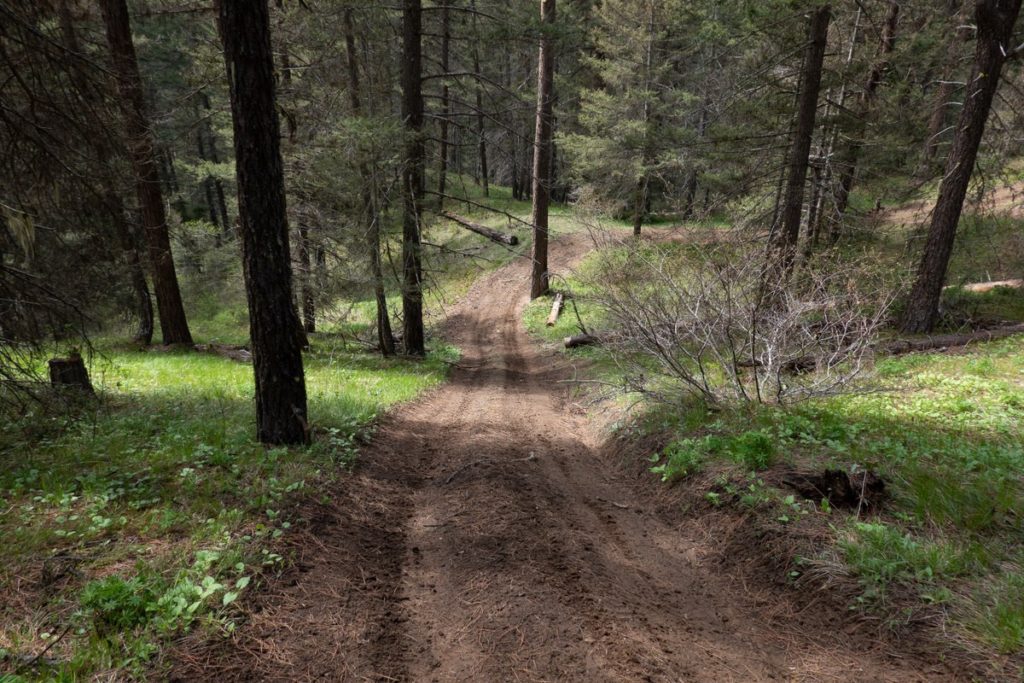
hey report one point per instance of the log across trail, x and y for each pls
(486, 536)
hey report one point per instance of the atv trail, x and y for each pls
(486, 538)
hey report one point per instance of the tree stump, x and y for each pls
(70, 373)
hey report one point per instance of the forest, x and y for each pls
(469, 340)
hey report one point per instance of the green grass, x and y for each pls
(152, 510)
(947, 436)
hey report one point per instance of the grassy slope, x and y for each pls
(945, 433)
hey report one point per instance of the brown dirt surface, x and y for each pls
(1005, 199)
(488, 536)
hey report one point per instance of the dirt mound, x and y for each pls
(488, 536)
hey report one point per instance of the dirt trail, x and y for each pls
(485, 539)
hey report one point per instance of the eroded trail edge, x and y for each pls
(486, 538)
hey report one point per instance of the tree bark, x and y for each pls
(543, 138)
(937, 121)
(788, 233)
(995, 20)
(385, 339)
(306, 280)
(70, 373)
(213, 155)
(276, 348)
(851, 155)
(481, 133)
(412, 177)
(446, 107)
(143, 301)
(173, 323)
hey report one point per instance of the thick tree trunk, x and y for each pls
(788, 233)
(995, 20)
(851, 155)
(543, 137)
(276, 348)
(173, 323)
(412, 177)
(446, 107)
(385, 338)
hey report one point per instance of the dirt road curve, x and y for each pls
(484, 539)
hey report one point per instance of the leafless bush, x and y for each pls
(712, 320)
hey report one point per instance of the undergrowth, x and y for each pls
(153, 510)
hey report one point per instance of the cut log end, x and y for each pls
(70, 373)
(580, 340)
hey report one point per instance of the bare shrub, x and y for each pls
(705, 317)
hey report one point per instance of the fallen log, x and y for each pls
(556, 309)
(940, 341)
(493, 235)
(578, 340)
(982, 287)
(900, 347)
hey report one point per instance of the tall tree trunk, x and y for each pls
(173, 323)
(412, 176)
(943, 94)
(306, 281)
(788, 232)
(481, 133)
(207, 183)
(693, 178)
(300, 288)
(542, 150)
(446, 107)
(995, 20)
(832, 113)
(385, 339)
(211, 151)
(276, 348)
(639, 205)
(851, 155)
(111, 198)
(143, 302)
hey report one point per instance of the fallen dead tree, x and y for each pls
(556, 309)
(982, 287)
(578, 340)
(943, 341)
(493, 235)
